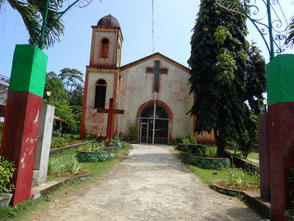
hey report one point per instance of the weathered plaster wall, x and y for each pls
(98, 36)
(135, 88)
(118, 52)
(97, 122)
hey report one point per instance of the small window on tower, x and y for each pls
(100, 93)
(104, 48)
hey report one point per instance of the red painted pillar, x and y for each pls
(22, 116)
(263, 157)
(280, 87)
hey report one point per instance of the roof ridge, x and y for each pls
(129, 65)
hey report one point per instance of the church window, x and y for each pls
(100, 93)
(104, 48)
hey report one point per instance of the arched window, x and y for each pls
(104, 48)
(100, 93)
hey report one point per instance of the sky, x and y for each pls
(173, 24)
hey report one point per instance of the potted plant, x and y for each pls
(7, 171)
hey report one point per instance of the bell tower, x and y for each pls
(102, 75)
(106, 43)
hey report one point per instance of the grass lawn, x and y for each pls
(25, 210)
(208, 176)
(237, 175)
(252, 155)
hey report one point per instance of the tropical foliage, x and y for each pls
(93, 146)
(7, 170)
(32, 13)
(67, 97)
(290, 38)
(63, 163)
(132, 135)
(228, 77)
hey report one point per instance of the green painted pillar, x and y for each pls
(22, 115)
(280, 92)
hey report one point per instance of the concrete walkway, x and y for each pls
(152, 184)
(253, 160)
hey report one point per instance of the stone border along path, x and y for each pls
(151, 184)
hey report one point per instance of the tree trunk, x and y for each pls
(221, 143)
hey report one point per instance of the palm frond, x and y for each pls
(290, 38)
(1, 5)
(32, 12)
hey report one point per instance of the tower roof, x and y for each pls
(108, 21)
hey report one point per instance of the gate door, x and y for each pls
(144, 132)
(160, 131)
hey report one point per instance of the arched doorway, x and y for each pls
(154, 133)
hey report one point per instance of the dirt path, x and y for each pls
(152, 184)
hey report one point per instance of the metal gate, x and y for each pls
(150, 133)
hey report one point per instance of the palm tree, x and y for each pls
(290, 38)
(32, 12)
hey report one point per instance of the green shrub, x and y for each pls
(236, 177)
(242, 177)
(73, 166)
(62, 164)
(198, 149)
(116, 137)
(7, 170)
(132, 136)
(212, 152)
(93, 146)
(190, 140)
(185, 140)
(65, 139)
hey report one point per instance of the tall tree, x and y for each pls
(72, 79)
(220, 69)
(55, 85)
(68, 108)
(32, 13)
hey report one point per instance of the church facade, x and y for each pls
(152, 93)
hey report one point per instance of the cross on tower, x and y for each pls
(110, 112)
(157, 71)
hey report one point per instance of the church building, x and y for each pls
(151, 93)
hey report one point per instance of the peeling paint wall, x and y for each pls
(97, 122)
(98, 36)
(114, 37)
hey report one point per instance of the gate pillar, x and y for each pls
(22, 116)
(280, 89)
